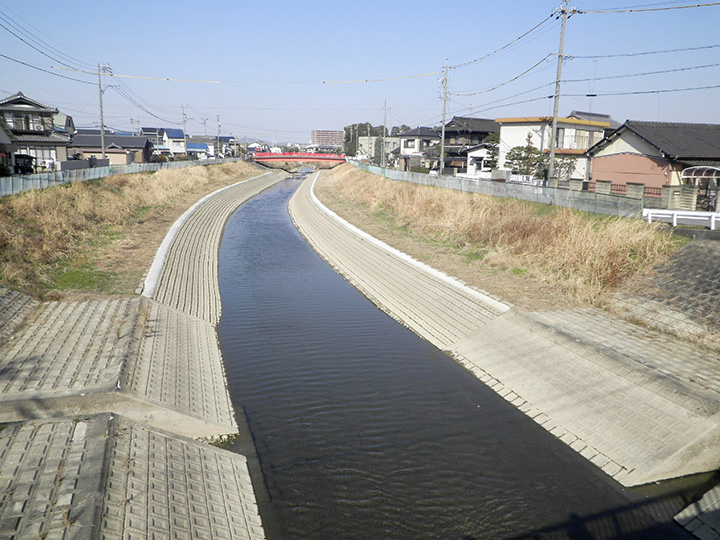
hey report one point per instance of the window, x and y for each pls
(582, 138)
(410, 143)
(559, 137)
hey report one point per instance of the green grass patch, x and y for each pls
(85, 279)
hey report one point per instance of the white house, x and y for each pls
(574, 137)
(414, 145)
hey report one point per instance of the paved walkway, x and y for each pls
(135, 375)
(638, 403)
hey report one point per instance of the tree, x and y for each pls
(493, 140)
(397, 130)
(526, 159)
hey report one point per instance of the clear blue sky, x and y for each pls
(278, 62)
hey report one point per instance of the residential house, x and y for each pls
(463, 133)
(654, 153)
(479, 158)
(573, 138)
(34, 141)
(119, 149)
(174, 139)
(414, 145)
(366, 145)
(199, 150)
(166, 141)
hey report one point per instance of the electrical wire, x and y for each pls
(641, 74)
(43, 70)
(644, 92)
(456, 66)
(622, 55)
(466, 94)
(33, 37)
(640, 10)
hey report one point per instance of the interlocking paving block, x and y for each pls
(179, 365)
(436, 307)
(164, 486)
(154, 364)
(688, 372)
(14, 308)
(188, 279)
(636, 434)
(71, 348)
(682, 295)
(104, 477)
(51, 479)
(702, 518)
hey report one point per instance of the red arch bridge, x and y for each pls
(326, 160)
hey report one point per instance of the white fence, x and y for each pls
(683, 217)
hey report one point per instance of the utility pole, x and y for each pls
(205, 126)
(217, 152)
(444, 115)
(563, 10)
(184, 129)
(382, 159)
(102, 117)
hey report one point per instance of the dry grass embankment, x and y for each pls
(580, 255)
(60, 237)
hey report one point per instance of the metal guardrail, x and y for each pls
(10, 185)
(683, 217)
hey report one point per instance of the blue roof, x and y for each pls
(175, 133)
(198, 146)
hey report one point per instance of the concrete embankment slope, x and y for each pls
(104, 393)
(603, 394)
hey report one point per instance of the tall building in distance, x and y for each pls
(326, 137)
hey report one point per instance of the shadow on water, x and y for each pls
(364, 431)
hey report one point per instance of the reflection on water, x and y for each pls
(365, 431)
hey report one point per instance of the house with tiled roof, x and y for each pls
(119, 149)
(463, 133)
(414, 145)
(654, 153)
(35, 142)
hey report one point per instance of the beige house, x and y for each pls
(574, 137)
(654, 153)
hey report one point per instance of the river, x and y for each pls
(362, 430)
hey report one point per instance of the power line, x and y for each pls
(573, 57)
(22, 29)
(642, 74)
(641, 10)
(456, 66)
(502, 84)
(642, 92)
(44, 70)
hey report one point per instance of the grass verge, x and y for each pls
(59, 238)
(581, 255)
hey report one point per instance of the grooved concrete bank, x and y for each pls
(624, 402)
(155, 362)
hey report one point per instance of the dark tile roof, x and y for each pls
(472, 125)
(20, 102)
(420, 133)
(53, 138)
(679, 140)
(121, 141)
(595, 117)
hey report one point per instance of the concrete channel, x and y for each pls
(103, 401)
(617, 393)
(101, 425)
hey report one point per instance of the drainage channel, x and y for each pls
(362, 430)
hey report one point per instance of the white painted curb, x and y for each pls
(153, 275)
(490, 302)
